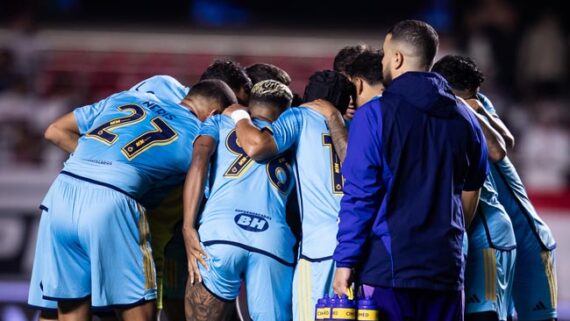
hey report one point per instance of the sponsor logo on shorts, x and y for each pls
(251, 222)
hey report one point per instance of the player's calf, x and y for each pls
(201, 305)
(482, 316)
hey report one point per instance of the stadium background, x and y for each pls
(58, 54)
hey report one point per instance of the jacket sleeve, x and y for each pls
(363, 185)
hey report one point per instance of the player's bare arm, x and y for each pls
(257, 144)
(469, 201)
(495, 142)
(335, 123)
(204, 148)
(339, 134)
(500, 127)
(63, 133)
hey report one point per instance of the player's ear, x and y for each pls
(359, 85)
(398, 59)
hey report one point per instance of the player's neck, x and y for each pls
(187, 102)
(371, 91)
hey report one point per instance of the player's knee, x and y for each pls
(143, 312)
(482, 316)
(48, 315)
(69, 306)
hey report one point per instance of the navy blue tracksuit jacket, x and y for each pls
(410, 154)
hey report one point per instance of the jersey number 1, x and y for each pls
(161, 135)
(337, 179)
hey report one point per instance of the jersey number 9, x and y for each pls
(278, 169)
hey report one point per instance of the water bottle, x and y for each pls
(323, 309)
(343, 309)
(367, 309)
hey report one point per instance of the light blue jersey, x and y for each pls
(319, 179)
(246, 207)
(497, 226)
(535, 282)
(134, 142)
(490, 266)
(512, 195)
(164, 87)
(99, 239)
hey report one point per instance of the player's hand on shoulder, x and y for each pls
(228, 111)
(195, 253)
(322, 106)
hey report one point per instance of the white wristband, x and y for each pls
(239, 115)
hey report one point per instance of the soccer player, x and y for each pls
(262, 71)
(492, 246)
(232, 74)
(535, 284)
(365, 72)
(411, 155)
(315, 139)
(342, 60)
(165, 218)
(346, 56)
(242, 232)
(97, 238)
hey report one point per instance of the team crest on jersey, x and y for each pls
(251, 222)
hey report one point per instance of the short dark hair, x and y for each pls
(271, 92)
(418, 34)
(460, 72)
(214, 89)
(331, 86)
(263, 71)
(230, 72)
(368, 66)
(346, 56)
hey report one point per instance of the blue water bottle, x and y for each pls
(367, 310)
(343, 309)
(323, 308)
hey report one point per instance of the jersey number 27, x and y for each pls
(161, 135)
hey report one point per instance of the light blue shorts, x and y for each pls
(35, 295)
(311, 282)
(98, 246)
(267, 281)
(488, 278)
(535, 284)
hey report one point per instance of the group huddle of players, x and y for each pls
(247, 199)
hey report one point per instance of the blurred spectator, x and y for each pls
(545, 148)
(6, 68)
(492, 28)
(24, 117)
(542, 62)
(25, 45)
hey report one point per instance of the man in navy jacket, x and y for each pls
(411, 156)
